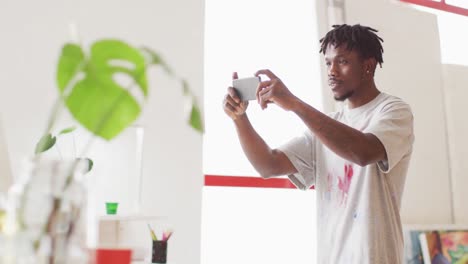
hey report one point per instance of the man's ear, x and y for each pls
(369, 65)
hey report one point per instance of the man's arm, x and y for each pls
(347, 142)
(268, 162)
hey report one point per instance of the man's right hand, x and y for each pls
(232, 104)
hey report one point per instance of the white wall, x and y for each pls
(412, 70)
(456, 92)
(32, 34)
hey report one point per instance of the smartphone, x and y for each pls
(246, 88)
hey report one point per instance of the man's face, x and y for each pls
(345, 71)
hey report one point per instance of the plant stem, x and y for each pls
(50, 229)
(56, 111)
(74, 144)
(59, 152)
(61, 100)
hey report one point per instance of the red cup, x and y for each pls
(113, 256)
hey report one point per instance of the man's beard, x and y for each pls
(344, 96)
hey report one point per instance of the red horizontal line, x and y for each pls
(243, 181)
(440, 6)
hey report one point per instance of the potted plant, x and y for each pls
(88, 89)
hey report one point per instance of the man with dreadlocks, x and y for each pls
(357, 158)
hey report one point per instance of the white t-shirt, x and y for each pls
(358, 207)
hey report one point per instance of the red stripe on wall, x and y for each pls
(440, 6)
(242, 181)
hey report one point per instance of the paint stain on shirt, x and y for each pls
(345, 182)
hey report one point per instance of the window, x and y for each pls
(452, 41)
(256, 225)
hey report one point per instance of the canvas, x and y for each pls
(413, 253)
(445, 246)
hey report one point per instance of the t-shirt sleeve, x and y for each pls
(393, 126)
(301, 152)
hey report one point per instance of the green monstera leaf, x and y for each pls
(88, 161)
(193, 110)
(90, 90)
(67, 130)
(89, 86)
(45, 143)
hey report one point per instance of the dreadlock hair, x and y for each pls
(360, 38)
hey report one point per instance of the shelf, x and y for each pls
(129, 231)
(131, 217)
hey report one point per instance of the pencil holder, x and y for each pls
(159, 254)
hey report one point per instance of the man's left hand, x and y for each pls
(274, 91)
